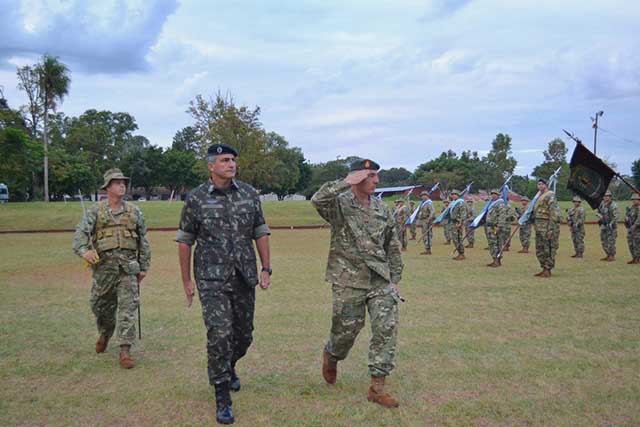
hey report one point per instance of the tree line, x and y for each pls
(47, 154)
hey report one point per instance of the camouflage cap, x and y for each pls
(112, 174)
(217, 149)
(456, 192)
(362, 164)
(576, 199)
(525, 199)
(424, 193)
(635, 196)
(445, 201)
(544, 181)
(608, 193)
(469, 200)
(397, 202)
(495, 191)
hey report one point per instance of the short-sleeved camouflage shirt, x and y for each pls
(223, 223)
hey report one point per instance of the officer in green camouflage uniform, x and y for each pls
(401, 215)
(364, 268)
(575, 220)
(413, 225)
(224, 218)
(425, 222)
(470, 232)
(525, 230)
(632, 222)
(608, 221)
(446, 226)
(458, 216)
(112, 238)
(546, 223)
(495, 220)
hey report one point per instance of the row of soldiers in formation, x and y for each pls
(497, 226)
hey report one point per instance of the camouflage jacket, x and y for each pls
(363, 240)
(546, 212)
(575, 218)
(471, 214)
(608, 215)
(426, 214)
(223, 223)
(510, 213)
(459, 213)
(401, 215)
(632, 218)
(496, 217)
(85, 236)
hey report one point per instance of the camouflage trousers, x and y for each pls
(114, 294)
(633, 239)
(577, 236)
(505, 233)
(402, 233)
(457, 238)
(470, 232)
(525, 235)
(494, 239)
(447, 232)
(227, 311)
(427, 236)
(546, 247)
(608, 238)
(412, 228)
(349, 306)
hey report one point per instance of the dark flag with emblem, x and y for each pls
(590, 176)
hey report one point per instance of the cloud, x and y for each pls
(109, 36)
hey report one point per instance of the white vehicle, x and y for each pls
(4, 193)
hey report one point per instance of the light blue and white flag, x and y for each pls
(444, 215)
(479, 220)
(414, 215)
(553, 181)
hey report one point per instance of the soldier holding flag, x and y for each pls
(496, 218)
(546, 219)
(608, 219)
(632, 222)
(575, 220)
(458, 217)
(525, 229)
(425, 222)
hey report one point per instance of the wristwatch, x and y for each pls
(268, 270)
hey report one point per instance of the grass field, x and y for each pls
(65, 216)
(477, 346)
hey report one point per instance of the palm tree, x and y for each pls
(54, 83)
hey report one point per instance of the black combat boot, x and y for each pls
(224, 414)
(235, 380)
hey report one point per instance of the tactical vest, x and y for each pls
(111, 235)
(542, 207)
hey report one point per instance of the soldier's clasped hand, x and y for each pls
(91, 256)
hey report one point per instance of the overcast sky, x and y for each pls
(396, 81)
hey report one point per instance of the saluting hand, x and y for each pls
(355, 178)
(265, 280)
(189, 290)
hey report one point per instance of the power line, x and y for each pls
(630, 141)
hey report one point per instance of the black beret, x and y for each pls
(544, 181)
(217, 149)
(362, 164)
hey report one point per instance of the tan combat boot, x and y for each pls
(611, 258)
(523, 251)
(460, 257)
(546, 273)
(329, 368)
(102, 343)
(126, 361)
(377, 394)
(427, 252)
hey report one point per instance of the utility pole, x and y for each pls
(595, 129)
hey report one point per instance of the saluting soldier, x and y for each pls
(425, 222)
(546, 220)
(458, 216)
(632, 222)
(224, 218)
(575, 220)
(494, 223)
(608, 221)
(112, 238)
(470, 232)
(525, 230)
(364, 269)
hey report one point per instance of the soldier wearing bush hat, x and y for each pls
(364, 269)
(112, 239)
(632, 222)
(525, 229)
(425, 220)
